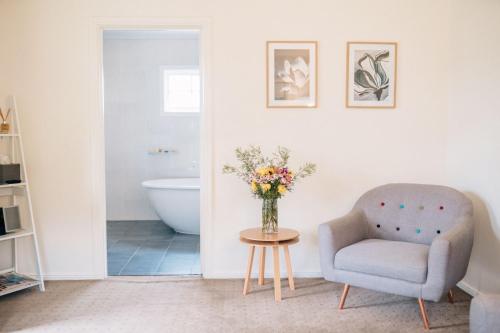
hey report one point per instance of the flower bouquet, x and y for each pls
(269, 179)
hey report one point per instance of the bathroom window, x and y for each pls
(181, 90)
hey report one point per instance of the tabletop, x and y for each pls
(256, 234)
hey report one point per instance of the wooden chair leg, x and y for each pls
(450, 297)
(344, 296)
(251, 251)
(423, 312)
(262, 265)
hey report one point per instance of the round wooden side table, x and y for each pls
(256, 238)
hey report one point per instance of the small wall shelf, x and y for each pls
(13, 185)
(17, 234)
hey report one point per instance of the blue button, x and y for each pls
(418, 230)
(402, 206)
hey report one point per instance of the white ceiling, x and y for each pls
(152, 34)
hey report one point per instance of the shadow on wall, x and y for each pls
(484, 266)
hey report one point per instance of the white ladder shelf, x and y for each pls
(19, 194)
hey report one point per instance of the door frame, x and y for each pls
(97, 143)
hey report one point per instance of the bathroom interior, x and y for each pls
(152, 102)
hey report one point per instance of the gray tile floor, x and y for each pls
(151, 248)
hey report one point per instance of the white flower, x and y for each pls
(295, 73)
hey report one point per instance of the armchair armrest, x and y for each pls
(449, 256)
(337, 234)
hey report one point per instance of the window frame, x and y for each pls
(163, 111)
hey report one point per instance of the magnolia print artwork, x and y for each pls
(371, 75)
(291, 74)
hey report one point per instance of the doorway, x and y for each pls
(152, 101)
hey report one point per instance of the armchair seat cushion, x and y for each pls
(391, 259)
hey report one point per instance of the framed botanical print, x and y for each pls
(371, 75)
(291, 74)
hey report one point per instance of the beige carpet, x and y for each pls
(196, 305)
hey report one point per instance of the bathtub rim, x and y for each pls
(192, 183)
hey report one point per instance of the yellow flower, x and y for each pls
(282, 189)
(265, 187)
(265, 171)
(261, 171)
(254, 186)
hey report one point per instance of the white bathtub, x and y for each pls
(177, 202)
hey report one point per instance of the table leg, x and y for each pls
(262, 264)
(277, 282)
(289, 268)
(251, 251)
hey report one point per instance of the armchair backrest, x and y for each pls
(412, 212)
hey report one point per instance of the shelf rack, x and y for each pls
(14, 192)
(28, 282)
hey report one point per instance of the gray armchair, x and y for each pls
(406, 239)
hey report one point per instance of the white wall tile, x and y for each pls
(134, 122)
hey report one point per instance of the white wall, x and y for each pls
(135, 122)
(474, 130)
(354, 149)
(6, 246)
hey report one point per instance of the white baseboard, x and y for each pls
(69, 277)
(56, 277)
(268, 275)
(218, 275)
(468, 288)
(7, 270)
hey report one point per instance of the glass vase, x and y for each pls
(270, 216)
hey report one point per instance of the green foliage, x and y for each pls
(306, 170)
